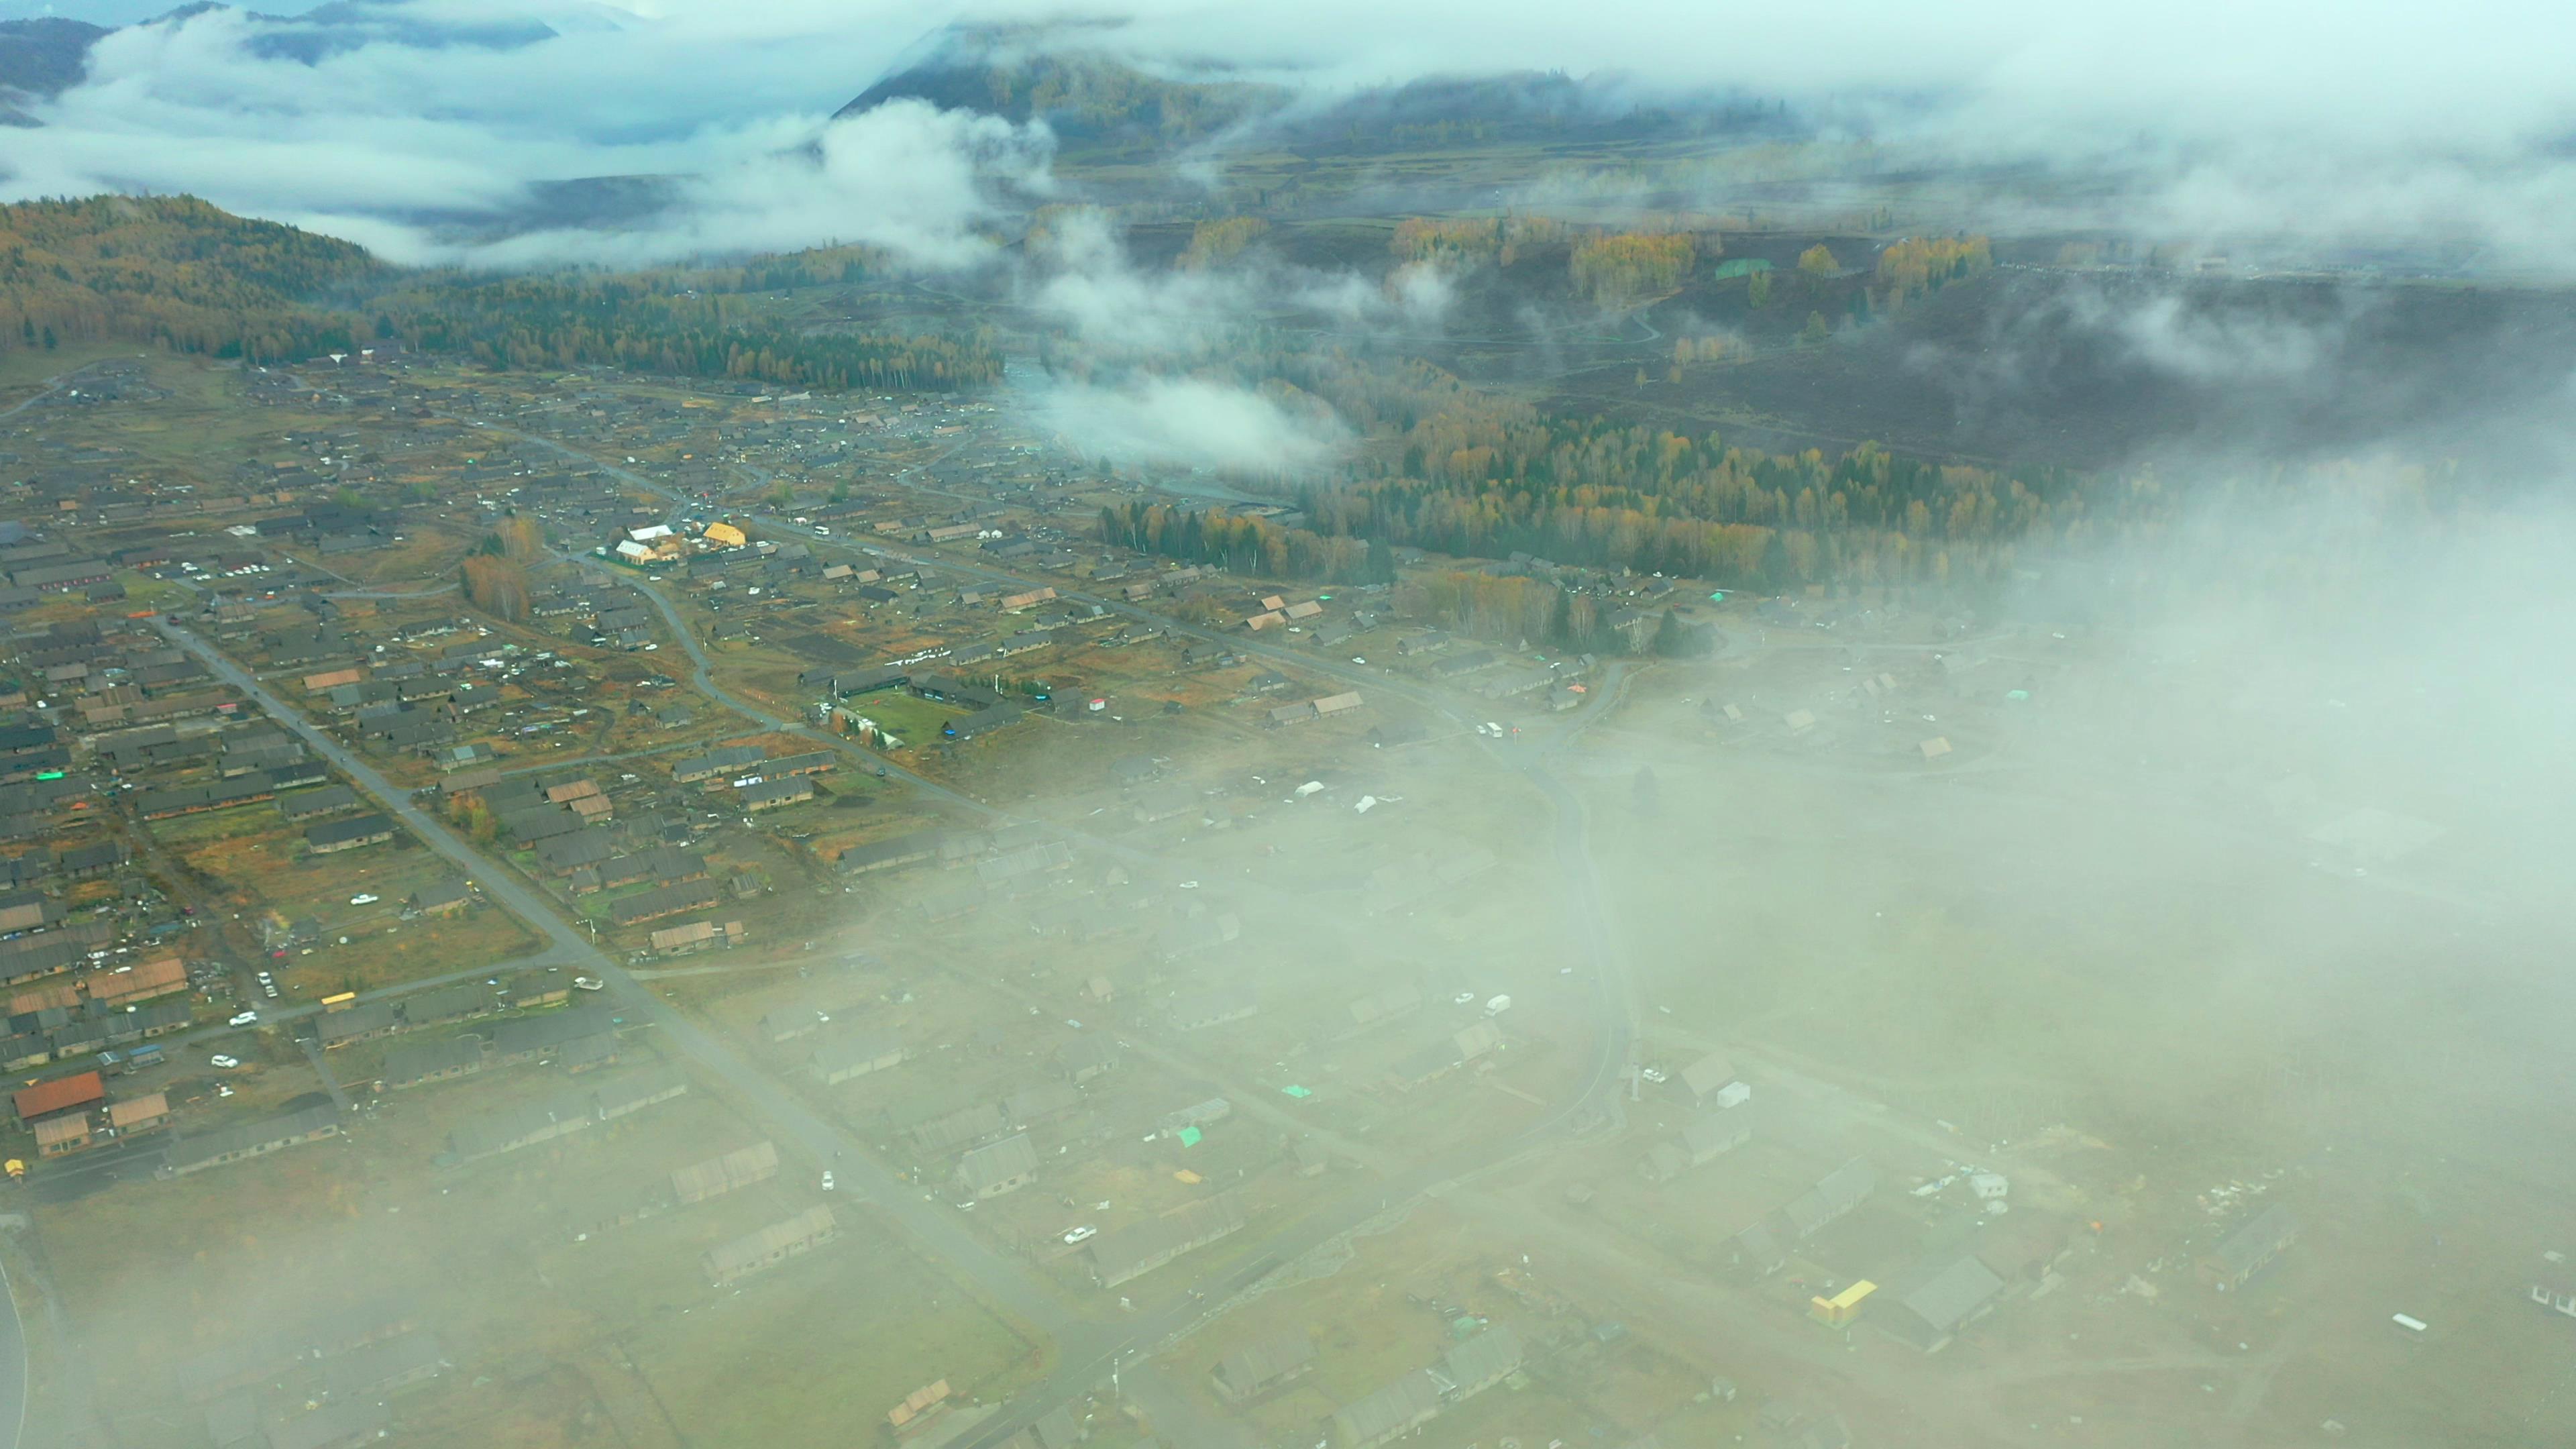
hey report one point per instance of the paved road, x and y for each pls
(1088, 1352)
(1000, 1278)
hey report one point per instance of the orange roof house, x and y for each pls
(62, 1094)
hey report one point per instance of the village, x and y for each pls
(833, 903)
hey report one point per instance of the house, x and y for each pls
(1086, 1057)
(2250, 1249)
(139, 1114)
(522, 1126)
(1196, 934)
(444, 898)
(1481, 1362)
(916, 848)
(362, 1021)
(1712, 1135)
(538, 989)
(856, 1056)
(415, 1064)
(997, 1168)
(719, 762)
(457, 1002)
(770, 1246)
(339, 835)
(1133, 1251)
(1264, 1364)
(1215, 1006)
(251, 1139)
(695, 936)
(530, 1038)
(1707, 1077)
(634, 1094)
(306, 805)
(947, 1131)
(59, 1136)
(1392, 1412)
(720, 1175)
(771, 794)
(1932, 1303)
(789, 1023)
(1833, 1196)
(81, 1093)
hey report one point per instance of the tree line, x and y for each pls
(634, 322)
(177, 273)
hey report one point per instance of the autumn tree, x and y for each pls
(1222, 240)
(497, 585)
(1614, 270)
(1817, 263)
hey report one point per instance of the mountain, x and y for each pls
(1047, 73)
(38, 59)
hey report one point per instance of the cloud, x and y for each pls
(423, 129)
(417, 125)
(1193, 423)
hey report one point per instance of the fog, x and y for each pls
(1250, 955)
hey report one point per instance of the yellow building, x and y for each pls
(725, 535)
(1843, 1307)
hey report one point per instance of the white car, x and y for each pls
(245, 1018)
(1081, 1234)
(827, 1182)
(1463, 998)
(1652, 1074)
(589, 983)
(364, 898)
(225, 1062)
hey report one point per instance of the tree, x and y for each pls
(1675, 639)
(1814, 332)
(496, 585)
(1817, 263)
(1757, 289)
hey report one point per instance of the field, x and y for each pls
(250, 860)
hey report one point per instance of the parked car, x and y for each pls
(827, 1182)
(364, 898)
(225, 1062)
(589, 983)
(244, 1018)
(1081, 1234)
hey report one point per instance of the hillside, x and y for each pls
(177, 273)
(38, 58)
(172, 271)
(1008, 71)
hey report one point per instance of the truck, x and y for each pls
(1498, 1006)
(133, 1059)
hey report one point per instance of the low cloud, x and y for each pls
(1192, 422)
(432, 131)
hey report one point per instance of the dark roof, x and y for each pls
(339, 832)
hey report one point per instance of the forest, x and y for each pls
(177, 273)
(638, 323)
(172, 272)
